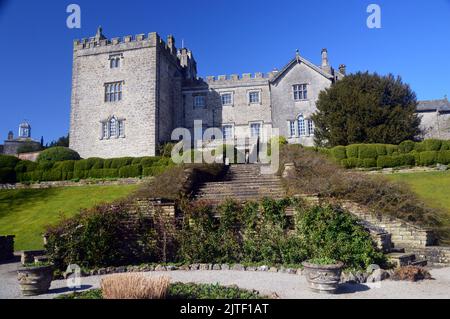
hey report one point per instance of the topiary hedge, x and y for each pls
(408, 153)
(57, 153)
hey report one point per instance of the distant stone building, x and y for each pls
(435, 118)
(12, 145)
(129, 94)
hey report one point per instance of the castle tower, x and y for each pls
(10, 135)
(24, 130)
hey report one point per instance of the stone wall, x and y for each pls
(6, 248)
(403, 234)
(435, 124)
(435, 255)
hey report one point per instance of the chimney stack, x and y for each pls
(325, 64)
(171, 43)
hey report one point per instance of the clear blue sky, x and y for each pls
(226, 36)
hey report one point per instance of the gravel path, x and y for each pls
(284, 285)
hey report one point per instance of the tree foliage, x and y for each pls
(366, 108)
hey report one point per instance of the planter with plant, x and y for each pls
(323, 274)
(35, 278)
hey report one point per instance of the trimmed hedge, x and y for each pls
(8, 161)
(57, 153)
(15, 170)
(407, 153)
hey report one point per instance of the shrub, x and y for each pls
(428, 158)
(36, 175)
(107, 163)
(7, 175)
(120, 162)
(80, 174)
(352, 151)
(153, 171)
(411, 273)
(148, 161)
(8, 161)
(368, 163)
(406, 147)
(329, 232)
(165, 150)
(105, 235)
(407, 159)
(134, 286)
(130, 171)
(390, 149)
(339, 152)
(445, 145)
(388, 161)
(432, 145)
(52, 175)
(57, 153)
(350, 162)
(420, 147)
(94, 163)
(25, 166)
(367, 151)
(67, 168)
(381, 149)
(110, 173)
(444, 157)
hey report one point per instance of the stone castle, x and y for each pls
(130, 93)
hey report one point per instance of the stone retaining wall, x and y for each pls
(403, 234)
(435, 255)
(85, 182)
(6, 247)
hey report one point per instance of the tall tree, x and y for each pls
(366, 108)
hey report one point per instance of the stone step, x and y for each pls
(401, 259)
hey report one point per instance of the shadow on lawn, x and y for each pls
(22, 197)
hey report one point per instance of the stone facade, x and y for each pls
(435, 118)
(159, 88)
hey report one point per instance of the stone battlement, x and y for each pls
(258, 76)
(152, 39)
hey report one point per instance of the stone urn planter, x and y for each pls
(35, 280)
(323, 278)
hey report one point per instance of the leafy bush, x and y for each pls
(390, 149)
(339, 152)
(444, 157)
(130, 171)
(367, 151)
(381, 149)
(153, 171)
(57, 153)
(149, 161)
(352, 151)
(407, 159)
(432, 145)
(105, 235)
(420, 147)
(406, 147)
(67, 168)
(369, 163)
(350, 162)
(428, 158)
(445, 145)
(328, 232)
(8, 161)
(388, 161)
(25, 166)
(52, 175)
(121, 161)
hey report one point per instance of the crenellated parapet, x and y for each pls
(120, 43)
(245, 77)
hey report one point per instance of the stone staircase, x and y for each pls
(242, 182)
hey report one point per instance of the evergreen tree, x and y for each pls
(366, 108)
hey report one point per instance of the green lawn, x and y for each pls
(26, 212)
(432, 187)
